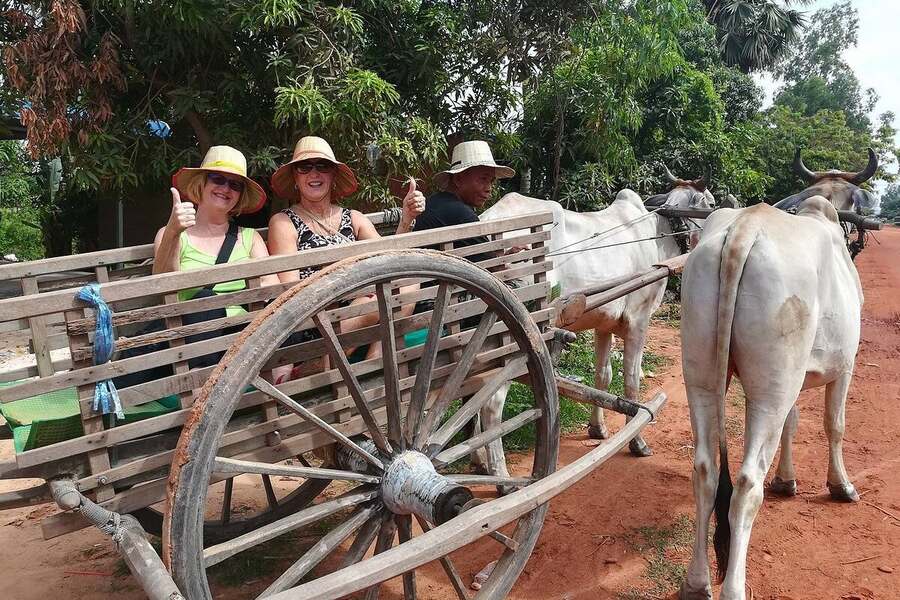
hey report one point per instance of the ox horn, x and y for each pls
(699, 184)
(867, 173)
(672, 179)
(801, 170)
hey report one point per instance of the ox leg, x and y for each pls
(762, 433)
(602, 378)
(838, 482)
(491, 417)
(631, 366)
(696, 585)
(785, 482)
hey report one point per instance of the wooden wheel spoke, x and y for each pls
(385, 540)
(319, 551)
(340, 359)
(390, 367)
(469, 408)
(483, 439)
(404, 531)
(426, 363)
(272, 391)
(452, 574)
(216, 554)
(451, 385)
(270, 491)
(231, 465)
(364, 539)
(226, 501)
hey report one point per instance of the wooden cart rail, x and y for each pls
(118, 261)
(124, 467)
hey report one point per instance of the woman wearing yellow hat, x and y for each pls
(193, 237)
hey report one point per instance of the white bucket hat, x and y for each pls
(466, 155)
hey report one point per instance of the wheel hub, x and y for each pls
(411, 485)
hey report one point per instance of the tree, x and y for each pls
(753, 35)
(815, 75)
(890, 203)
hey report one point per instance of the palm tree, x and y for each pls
(754, 34)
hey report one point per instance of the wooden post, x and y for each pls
(185, 398)
(270, 408)
(39, 343)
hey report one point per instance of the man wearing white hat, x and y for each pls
(467, 185)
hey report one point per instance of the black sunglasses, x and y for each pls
(322, 166)
(218, 179)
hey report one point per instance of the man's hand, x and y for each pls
(413, 203)
(183, 214)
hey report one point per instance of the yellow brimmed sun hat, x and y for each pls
(466, 155)
(222, 159)
(311, 147)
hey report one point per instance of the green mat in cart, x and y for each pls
(54, 417)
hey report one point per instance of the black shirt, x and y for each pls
(445, 209)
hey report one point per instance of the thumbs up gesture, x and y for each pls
(183, 213)
(413, 203)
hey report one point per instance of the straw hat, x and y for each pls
(222, 159)
(466, 155)
(307, 148)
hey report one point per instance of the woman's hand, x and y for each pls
(183, 214)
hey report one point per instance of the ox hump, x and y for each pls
(627, 196)
(819, 207)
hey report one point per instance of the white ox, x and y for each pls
(774, 299)
(577, 266)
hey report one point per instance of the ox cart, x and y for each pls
(360, 459)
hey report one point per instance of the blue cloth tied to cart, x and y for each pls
(106, 397)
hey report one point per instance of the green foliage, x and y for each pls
(890, 203)
(577, 361)
(20, 233)
(659, 545)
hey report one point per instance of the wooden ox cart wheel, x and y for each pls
(403, 479)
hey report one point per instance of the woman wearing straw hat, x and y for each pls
(193, 237)
(314, 180)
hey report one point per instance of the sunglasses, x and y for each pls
(218, 179)
(322, 166)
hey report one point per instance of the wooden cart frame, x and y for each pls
(384, 428)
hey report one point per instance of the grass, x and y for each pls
(663, 548)
(577, 361)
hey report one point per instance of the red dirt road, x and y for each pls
(802, 548)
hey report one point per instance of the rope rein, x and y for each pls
(608, 231)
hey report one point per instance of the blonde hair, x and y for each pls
(194, 192)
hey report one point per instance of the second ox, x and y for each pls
(593, 248)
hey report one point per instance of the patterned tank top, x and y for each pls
(307, 239)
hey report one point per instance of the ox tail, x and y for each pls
(739, 240)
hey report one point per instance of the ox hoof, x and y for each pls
(598, 432)
(780, 487)
(638, 447)
(686, 592)
(843, 492)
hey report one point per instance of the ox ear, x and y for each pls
(863, 201)
(792, 201)
(656, 201)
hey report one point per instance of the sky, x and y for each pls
(874, 59)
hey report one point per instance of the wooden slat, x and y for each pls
(15, 308)
(89, 260)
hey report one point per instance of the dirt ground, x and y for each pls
(624, 532)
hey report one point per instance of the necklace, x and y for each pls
(325, 224)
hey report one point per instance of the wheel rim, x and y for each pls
(428, 434)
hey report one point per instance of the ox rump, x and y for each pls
(774, 299)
